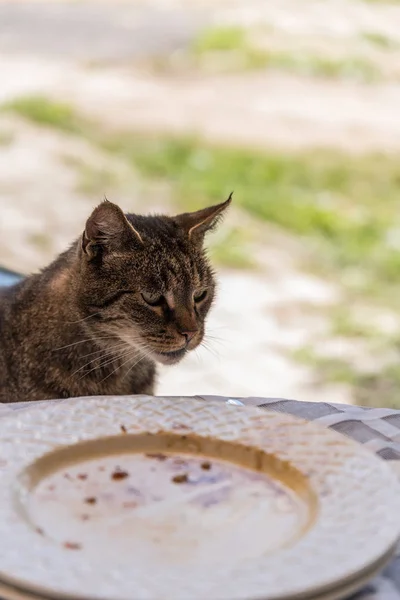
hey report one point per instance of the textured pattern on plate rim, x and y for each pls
(358, 494)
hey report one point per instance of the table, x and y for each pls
(376, 428)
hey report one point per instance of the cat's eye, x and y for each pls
(153, 299)
(112, 298)
(200, 295)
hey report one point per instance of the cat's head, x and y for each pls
(145, 280)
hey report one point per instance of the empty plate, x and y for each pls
(151, 498)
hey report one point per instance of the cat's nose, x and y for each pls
(189, 335)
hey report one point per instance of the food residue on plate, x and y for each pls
(91, 500)
(130, 504)
(206, 466)
(82, 476)
(123, 429)
(72, 546)
(156, 455)
(182, 478)
(180, 462)
(119, 474)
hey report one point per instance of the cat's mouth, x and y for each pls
(170, 357)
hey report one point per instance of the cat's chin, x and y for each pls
(170, 358)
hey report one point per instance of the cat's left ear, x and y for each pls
(197, 224)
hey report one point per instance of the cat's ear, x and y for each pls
(106, 228)
(196, 224)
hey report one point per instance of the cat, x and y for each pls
(133, 291)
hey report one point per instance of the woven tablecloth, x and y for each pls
(376, 428)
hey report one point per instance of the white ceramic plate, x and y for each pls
(342, 590)
(149, 498)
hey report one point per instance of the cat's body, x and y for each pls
(42, 354)
(132, 292)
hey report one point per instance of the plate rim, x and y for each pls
(256, 412)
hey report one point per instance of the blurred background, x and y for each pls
(168, 105)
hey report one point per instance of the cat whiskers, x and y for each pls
(130, 351)
(92, 339)
(119, 344)
(126, 362)
(108, 361)
(84, 319)
(198, 355)
(106, 353)
(215, 338)
(206, 344)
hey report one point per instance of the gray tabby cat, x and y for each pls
(131, 292)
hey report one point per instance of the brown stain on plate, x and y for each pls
(166, 487)
(119, 474)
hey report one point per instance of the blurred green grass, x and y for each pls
(344, 208)
(44, 111)
(373, 388)
(231, 248)
(380, 40)
(238, 51)
(220, 39)
(348, 204)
